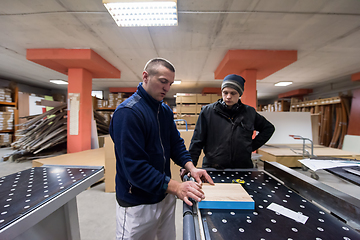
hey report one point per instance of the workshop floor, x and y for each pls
(96, 209)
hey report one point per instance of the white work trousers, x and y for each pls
(145, 222)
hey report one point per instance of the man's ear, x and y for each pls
(145, 76)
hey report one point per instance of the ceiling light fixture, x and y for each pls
(282, 84)
(58, 81)
(143, 13)
(177, 82)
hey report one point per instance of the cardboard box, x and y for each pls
(175, 169)
(5, 138)
(214, 97)
(110, 164)
(92, 157)
(186, 98)
(190, 119)
(203, 98)
(183, 109)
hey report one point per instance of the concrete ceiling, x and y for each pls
(326, 34)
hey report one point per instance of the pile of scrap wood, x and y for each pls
(42, 132)
(45, 135)
(101, 123)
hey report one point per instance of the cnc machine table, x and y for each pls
(263, 223)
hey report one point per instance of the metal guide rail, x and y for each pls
(351, 174)
(29, 196)
(264, 223)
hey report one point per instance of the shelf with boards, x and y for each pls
(280, 105)
(5, 114)
(6, 131)
(8, 103)
(316, 102)
(105, 109)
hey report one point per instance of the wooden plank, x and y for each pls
(226, 196)
(110, 164)
(322, 151)
(284, 155)
(49, 103)
(8, 103)
(92, 157)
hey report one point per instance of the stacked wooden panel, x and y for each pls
(6, 118)
(5, 139)
(188, 107)
(8, 114)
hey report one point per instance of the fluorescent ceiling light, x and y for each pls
(58, 81)
(282, 84)
(177, 82)
(143, 13)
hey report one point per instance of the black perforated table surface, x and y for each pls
(24, 192)
(263, 223)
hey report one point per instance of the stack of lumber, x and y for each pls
(102, 123)
(5, 139)
(40, 133)
(46, 134)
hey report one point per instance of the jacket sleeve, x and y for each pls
(179, 154)
(127, 130)
(198, 138)
(265, 129)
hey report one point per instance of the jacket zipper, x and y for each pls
(162, 146)
(232, 133)
(231, 139)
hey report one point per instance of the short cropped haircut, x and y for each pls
(151, 65)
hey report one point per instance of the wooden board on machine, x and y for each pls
(226, 196)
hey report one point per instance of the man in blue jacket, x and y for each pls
(145, 139)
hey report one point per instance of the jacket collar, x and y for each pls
(149, 99)
(220, 107)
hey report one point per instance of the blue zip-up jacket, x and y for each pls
(145, 138)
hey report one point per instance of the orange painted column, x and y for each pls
(80, 110)
(249, 97)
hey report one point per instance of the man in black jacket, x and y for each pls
(225, 128)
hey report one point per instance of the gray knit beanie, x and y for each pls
(234, 81)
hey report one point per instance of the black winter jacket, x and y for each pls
(226, 135)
